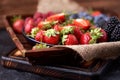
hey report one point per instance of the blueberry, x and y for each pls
(100, 17)
(73, 16)
(85, 15)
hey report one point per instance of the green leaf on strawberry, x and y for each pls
(39, 46)
(16, 18)
(67, 22)
(69, 39)
(95, 34)
(66, 30)
(47, 25)
(51, 32)
(64, 38)
(34, 32)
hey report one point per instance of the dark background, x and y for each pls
(29, 6)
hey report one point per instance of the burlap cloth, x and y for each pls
(58, 5)
(107, 50)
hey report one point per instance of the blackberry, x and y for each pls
(110, 25)
(115, 35)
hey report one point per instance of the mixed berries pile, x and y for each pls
(72, 29)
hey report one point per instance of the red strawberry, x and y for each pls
(46, 24)
(57, 17)
(40, 36)
(27, 19)
(38, 20)
(77, 32)
(51, 36)
(91, 37)
(96, 13)
(50, 13)
(104, 36)
(28, 26)
(69, 39)
(85, 38)
(82, 23)
(37, 15)
(57, 27)
(18, 24)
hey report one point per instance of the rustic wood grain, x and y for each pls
(30, 6)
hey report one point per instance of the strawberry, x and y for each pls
(18, 24)
(77, 32)
(46, 24)
(82, 23)
(91, 37)
(51, 36)
(96, 13)
(104, 36)
(40, 36)
(57, 27)
(50, 13)
(85, 38)
(69, 39)
(67, 30)
(33, 32)
(57, 17)
(28, 26)
(37, 15)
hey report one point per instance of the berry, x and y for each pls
(37, 15)
(52, 36)
(110, 25)
(115, 35)
(85, 15)
(73, 16)
(100, 23)
(100, 17)
(82, 23)
(91, 37)
(69, 39)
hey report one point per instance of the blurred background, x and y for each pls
(30, 6)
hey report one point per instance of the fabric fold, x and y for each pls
(106, 50)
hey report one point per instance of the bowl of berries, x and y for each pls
(66, 28)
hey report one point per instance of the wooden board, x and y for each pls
(65, 71)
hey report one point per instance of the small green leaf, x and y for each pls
(51, 32)
(64, 38)
(40, 46)
(34, 32)
(67, 30)
(15, 18)
(95, 34)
